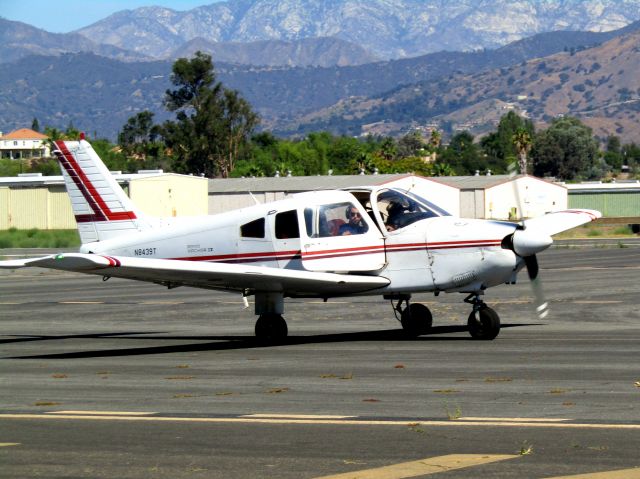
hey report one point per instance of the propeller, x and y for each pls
(542, 305)
(526, 244)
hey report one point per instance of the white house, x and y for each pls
(24, 144)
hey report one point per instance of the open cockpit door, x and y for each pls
(339, 235)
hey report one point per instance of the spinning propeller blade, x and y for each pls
(542, 306)
(526, 242)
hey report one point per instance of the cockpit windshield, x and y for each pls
(399, 208)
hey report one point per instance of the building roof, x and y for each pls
(292, 184)
(24, 134)
(295, 184)
(36, 179)
(599, 187)
(473, 182)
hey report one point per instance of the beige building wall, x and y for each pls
(222, 202)
(4, 208)
(42, 208)
(530, 196)
(170, 195)
(27, 208)
(48, 206)
(59, 214)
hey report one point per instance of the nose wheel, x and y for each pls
(483, 322)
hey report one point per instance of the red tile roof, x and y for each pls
(24, 134)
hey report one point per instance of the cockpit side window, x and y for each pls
(287, 225)
(336, 219)
(399, 208)
(253, 229)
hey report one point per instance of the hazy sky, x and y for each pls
(62, 16)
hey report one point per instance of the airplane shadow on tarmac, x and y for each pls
(223, 343)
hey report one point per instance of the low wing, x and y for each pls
(555, 223)
(222, 276)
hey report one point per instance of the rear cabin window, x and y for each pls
(253, 229)
(287, 225)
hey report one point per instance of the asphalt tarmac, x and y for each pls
(130, 380)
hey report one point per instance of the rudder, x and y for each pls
(101, 207)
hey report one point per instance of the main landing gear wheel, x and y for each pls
(416, 319)
(484, 323)
(271, 327)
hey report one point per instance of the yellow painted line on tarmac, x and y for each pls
(633, 473)
(80, 302)
(102, 413)
(296, 416)
(332, 302)
(513, 419)
(586, 301)
(342, 422)
(162, 302)
(9, 444)
(433, 465)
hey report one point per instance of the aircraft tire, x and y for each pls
(484, 326)
(416, 320)
(271, 326)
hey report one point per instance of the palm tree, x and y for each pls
(522, 141)
(434, 143)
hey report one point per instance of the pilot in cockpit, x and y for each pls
(397, 207)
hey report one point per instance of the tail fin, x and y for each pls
(101, 207)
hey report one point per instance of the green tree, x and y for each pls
(411, 144)
(213, 124)
(435, 139)
(613, 152)
(343, 155)
(388, 148)
(566, 150)
(499, 145)
(236, 125)
(35, 125)
(522, 141)
(53, 133)
(463, 155)
(138, 135)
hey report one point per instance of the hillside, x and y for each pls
(599, 85)
(18, 40)
(320, 52)
(100, 94)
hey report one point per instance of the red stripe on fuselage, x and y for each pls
(101, 210)
(248, 257)
(337, 253)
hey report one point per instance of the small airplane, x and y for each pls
(374, 240)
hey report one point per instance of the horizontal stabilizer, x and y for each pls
(554, 223)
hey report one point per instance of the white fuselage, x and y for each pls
(440, 253)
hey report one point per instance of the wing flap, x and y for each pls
(554, 223)
(224, 276)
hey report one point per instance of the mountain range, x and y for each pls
(318, 32)
(388, 29)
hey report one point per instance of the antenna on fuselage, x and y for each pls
(255, 200)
